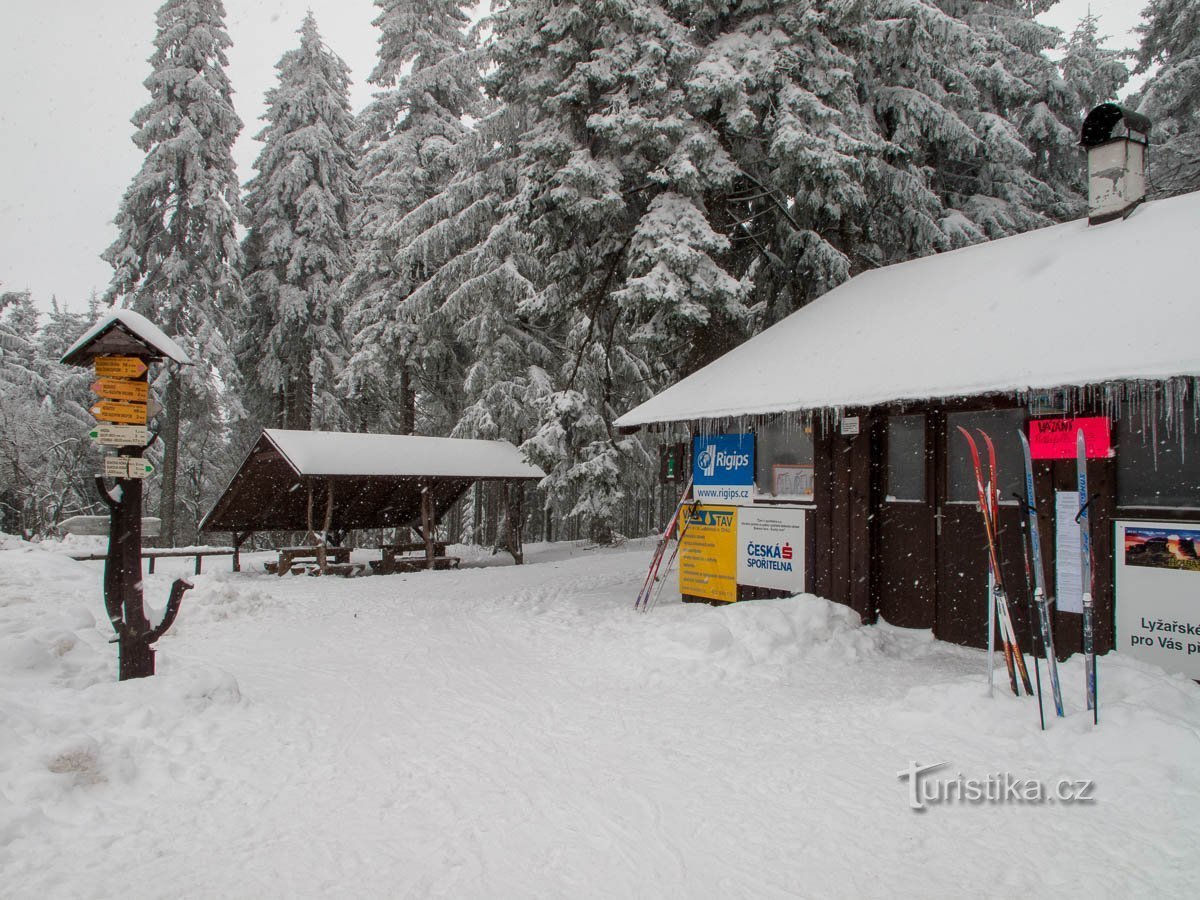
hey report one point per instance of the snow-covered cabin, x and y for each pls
(850, 409)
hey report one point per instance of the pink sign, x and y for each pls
(1055, 438)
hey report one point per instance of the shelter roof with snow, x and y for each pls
(124, 332)
(1061, 306)
(368, 480)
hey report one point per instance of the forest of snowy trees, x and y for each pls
(546, 216)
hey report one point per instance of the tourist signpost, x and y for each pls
(120, 350)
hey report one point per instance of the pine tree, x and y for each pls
(176, 257)
(1170, 36)
(1024, 172)
(612, 175)
(1094, 73)
(297, 249)
(45, 455)
(20, 384)
(412, 135)
(782, 84)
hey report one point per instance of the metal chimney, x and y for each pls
(1116, 140)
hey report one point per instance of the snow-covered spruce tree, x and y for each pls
(297, 248)
(45, 455)
(612, 174)
(176, 257)
(20, 384)
(1025, 172)
(779, 80)
(411, 135)
(1170, 36)
(1094, 74)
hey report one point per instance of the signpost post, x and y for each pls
(120, 350)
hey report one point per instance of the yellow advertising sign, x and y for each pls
(119, 366)
(708, 553)
(121, 389)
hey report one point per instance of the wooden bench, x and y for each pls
(323, 557)
(411, 557)
(346, 570)
(414, 564)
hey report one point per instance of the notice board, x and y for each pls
(708, 553)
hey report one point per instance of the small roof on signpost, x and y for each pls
(124, 332)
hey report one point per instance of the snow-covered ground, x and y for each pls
(507, 731)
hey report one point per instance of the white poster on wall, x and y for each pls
(770, 551)
(1158, 593)
(1068, 564)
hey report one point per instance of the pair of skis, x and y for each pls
(1085, 552)
(989, 506)
(1040, 598)
(677, 525)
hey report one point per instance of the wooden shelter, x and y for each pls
(331, 482)
(863, 391)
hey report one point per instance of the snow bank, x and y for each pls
(762, 637)
(514, 731)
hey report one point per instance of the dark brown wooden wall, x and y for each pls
(844, 495)
(849, 494)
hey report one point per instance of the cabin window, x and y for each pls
(906, 459)
(1158, 467)
(1003, 426)
(783, 454)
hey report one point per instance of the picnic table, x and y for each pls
(412, 557)
(328, 560)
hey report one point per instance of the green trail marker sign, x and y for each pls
(120, 435)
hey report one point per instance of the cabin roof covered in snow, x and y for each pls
(1064, 305)
(399, 455)
(99, 341)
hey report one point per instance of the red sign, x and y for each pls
(1055, 438)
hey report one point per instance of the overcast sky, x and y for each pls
(71, 74)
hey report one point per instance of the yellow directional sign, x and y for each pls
(118, 411)
(119, 367)
(122, 389)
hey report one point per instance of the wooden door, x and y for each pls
(906, 549)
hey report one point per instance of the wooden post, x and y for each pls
(322, 558)
(427, 524)
(123, 577)
(238, 540)
(514, 511)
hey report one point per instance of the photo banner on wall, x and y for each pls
(1158, 593)
(707, 553)
(723, 469)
